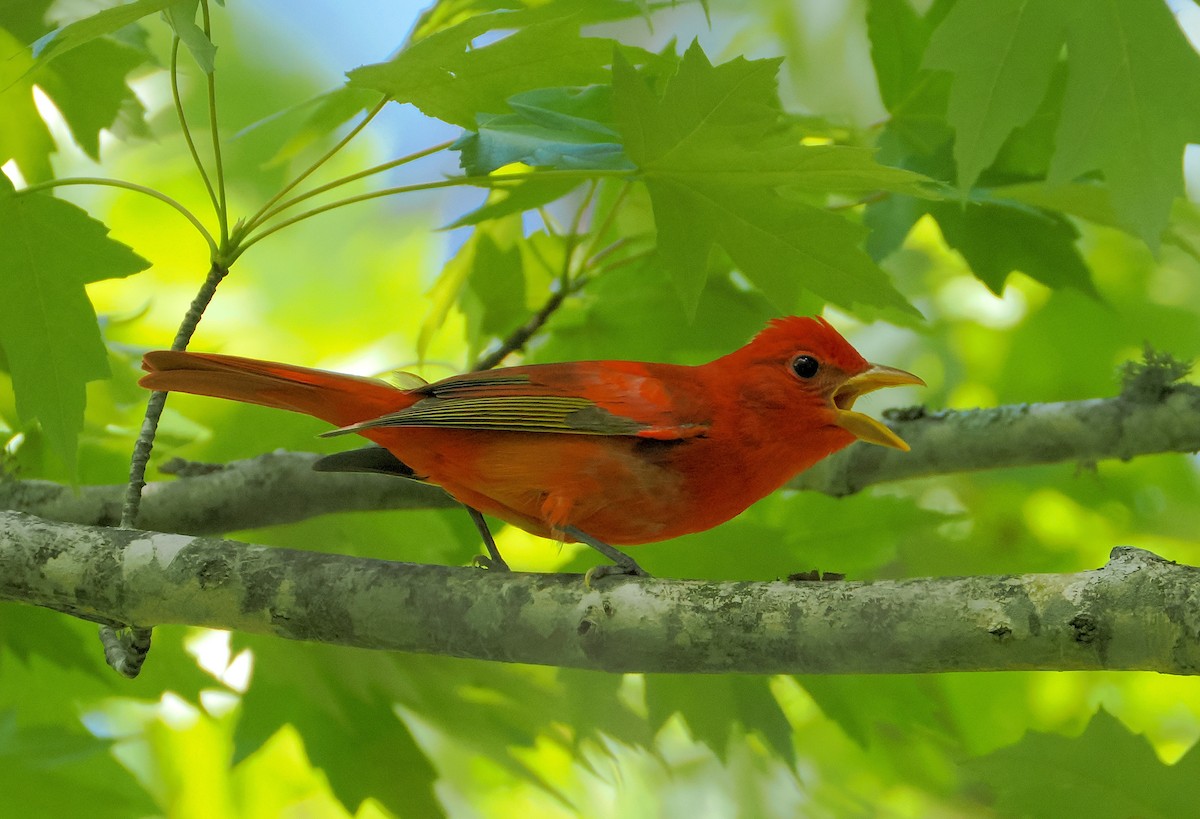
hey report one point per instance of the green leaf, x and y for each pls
(445, 78)
(487, 239)
(815, 168)
(24, 138)
(1132, 103)
(508, 138)
(713, 705)
(88, 85)
(341, 716)
(531, 193)
(1105, 772)
(25, 19)
(714, 154)
(567, 128)
(997, 239)
(898, 38)
(1087, 200)
(48, 251)
(1002, 54)
(446, 14)
(58, 770)
(494, 298)
(329, 111)
(868, 706)
(181, 17)
(75, 34)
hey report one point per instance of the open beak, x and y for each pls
(864, 427)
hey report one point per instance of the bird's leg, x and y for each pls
(493, 560)
(624, 564)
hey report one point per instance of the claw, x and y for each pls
(608, 569)
(492, 560)
(623, 563)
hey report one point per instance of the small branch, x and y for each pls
(947, 442)
(242, 495)
(154, 407)
(519, 337)
(567, 284)
(126, 650)
(281, 487)
(1138, 612)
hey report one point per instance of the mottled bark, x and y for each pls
(1137, 612)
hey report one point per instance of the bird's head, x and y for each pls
(810, 362)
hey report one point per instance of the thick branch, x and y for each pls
(281, 487)
(1137, 612)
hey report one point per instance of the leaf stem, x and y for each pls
(265, 212)
(609, 218)
(362, 197)
(118, 183)
(219, 165)
(183, 124)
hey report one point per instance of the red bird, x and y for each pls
(604, 452)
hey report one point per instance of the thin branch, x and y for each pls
(519, 337)
(280, 487)
(489, 181)
(126, 646)
(145, 441)
(1137, 612)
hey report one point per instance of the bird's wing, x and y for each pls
(583, 398)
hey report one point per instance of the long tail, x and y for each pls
(333, 397)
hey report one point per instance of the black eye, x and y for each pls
(805, 366)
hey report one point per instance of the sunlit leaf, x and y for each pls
(48, 252)
(181, 17)
(24, 138)
(446, 79)
(1002, 78)
(710, 119)
(107, 21)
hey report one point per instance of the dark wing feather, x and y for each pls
(585, 398)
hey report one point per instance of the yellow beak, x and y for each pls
(864, 427)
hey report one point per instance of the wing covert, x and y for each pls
(584, 398)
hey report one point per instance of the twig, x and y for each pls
(126, 651)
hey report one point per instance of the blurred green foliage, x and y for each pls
(667, 211)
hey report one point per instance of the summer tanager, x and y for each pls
(604, 452)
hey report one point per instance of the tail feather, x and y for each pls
(333, 397)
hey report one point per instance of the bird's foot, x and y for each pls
(492, 564)
(632, 569)
(815, 576)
